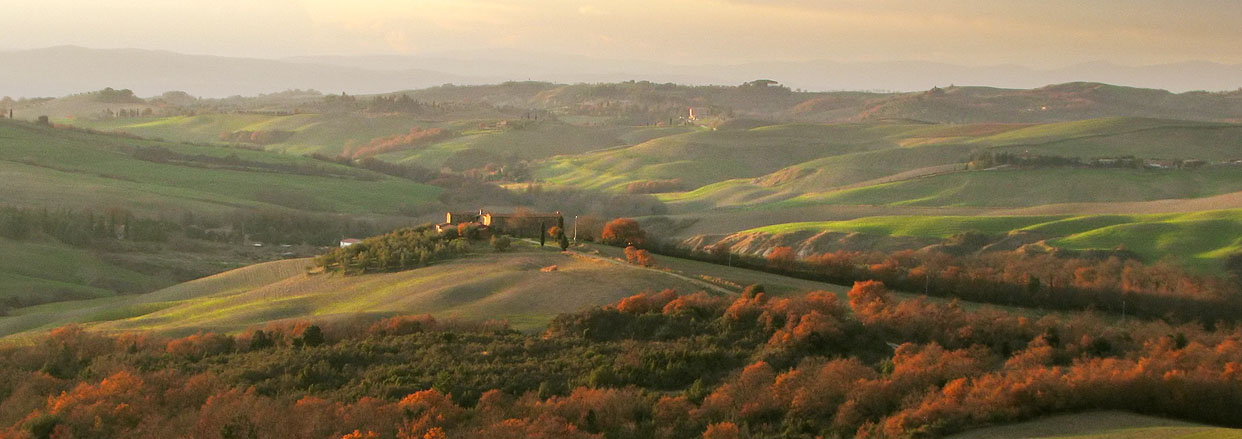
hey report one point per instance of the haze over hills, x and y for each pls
(716, 219)
(63, 70)
(819, 75)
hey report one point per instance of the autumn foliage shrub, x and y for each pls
(638, 256)
(655, 364)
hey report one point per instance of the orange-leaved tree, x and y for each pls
(623, 231)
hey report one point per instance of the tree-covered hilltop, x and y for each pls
(401, 249)
(658, 365)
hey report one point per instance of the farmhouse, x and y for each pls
(349, 241)
(517, 223)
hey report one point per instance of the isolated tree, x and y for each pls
(644, 258)
(623, 231)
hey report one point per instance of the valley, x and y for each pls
(967, 224)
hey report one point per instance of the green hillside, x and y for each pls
(774, 163)
(477, 148)
(62, 170)
(486, 286)
(310, 133)
(45, 269)
(1111, 137)
(476, 142)
(819, 175)
(1034, 187)
(47, 167)
(705, 157)
(1200, 240)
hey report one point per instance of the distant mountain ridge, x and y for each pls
(63, 70)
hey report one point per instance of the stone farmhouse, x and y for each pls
(522, 224)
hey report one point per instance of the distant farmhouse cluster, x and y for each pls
(520, 224)
(517, 224)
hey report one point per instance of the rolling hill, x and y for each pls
(507, 286)
(1198, 240)
(473, 141)
(905, 164)
(1035, 187)
(59, 168)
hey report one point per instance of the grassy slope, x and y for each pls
(1140, 137)
(705, 157)
(330, 134)
(1199, 240)
(483, 286)
(59, 168)
(31, 269)
(312, 133)
(855, 156)
(476, 148)
(43, 167)
(233, 282)
(1033, 187)
(732, 167)
(1102, 425)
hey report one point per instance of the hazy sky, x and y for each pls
(1047, 33)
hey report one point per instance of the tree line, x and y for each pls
(1113, 282)
(988, 159)
(93, 228)
(82, 228)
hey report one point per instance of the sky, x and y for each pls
(1047, 33)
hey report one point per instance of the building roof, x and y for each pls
(525, 215)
